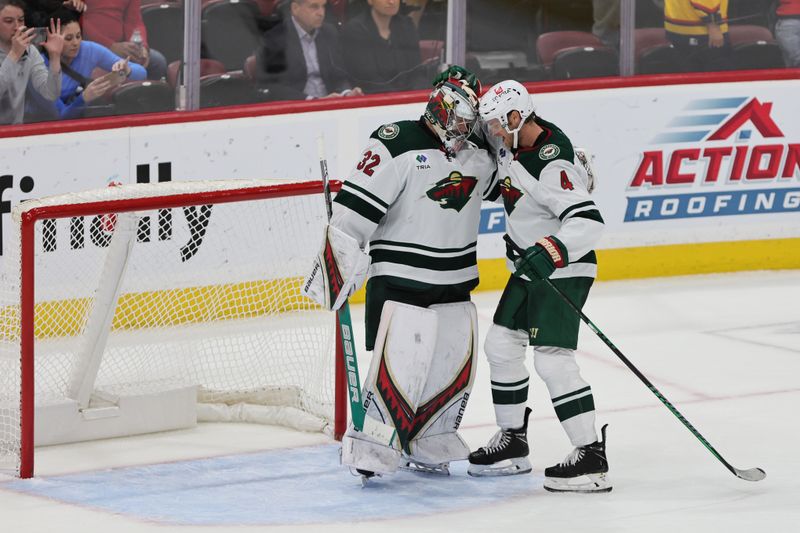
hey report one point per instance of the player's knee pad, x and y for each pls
(558, 369)
(447, 388)
(505, 349)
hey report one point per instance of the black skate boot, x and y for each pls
(584, 470)
(505, 455)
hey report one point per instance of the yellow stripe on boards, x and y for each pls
(64, 318)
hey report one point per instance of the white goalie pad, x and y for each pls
(585, 159)
(339, 270)
(401, 361)
(435, 439)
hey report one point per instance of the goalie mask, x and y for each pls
(497, 104)
(452, 112)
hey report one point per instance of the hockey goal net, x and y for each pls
(141, 308)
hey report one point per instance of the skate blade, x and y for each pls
(422, 468)
(582, 484)
(509, 467)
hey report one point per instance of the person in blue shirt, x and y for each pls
(82, 57)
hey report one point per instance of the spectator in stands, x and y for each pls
(301, 57)
(606, 16)
(21, 64)
(39, 12)
(118, 25)
(787, 31)
(78, 60)
(699, 31)
(381, 49)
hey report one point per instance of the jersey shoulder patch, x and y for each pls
(405, 136)
(556, 147)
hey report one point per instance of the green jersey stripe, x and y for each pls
(591, 214)
(360, 206)
(380, 242)
(590, 258)
(371, 196)
(565, 411)
(510, 397)
(573, 207)
(573, 393)
(514, 384)
(424, 261)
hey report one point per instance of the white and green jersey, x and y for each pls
(416, 208)
(545, 192)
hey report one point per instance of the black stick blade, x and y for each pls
(753, 474)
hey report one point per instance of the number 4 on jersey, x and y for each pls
(565, 183)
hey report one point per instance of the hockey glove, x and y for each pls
(542, 259)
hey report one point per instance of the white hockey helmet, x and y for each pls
(452, 112)
(500, 100)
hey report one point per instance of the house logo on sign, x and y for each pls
(726, 156)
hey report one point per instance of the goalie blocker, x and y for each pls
(339, 270)
(418, 385)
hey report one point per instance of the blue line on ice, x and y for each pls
(288, 486)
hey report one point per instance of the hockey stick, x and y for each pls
(751, 474)
(343, 321)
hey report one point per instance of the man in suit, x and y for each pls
(301, 59)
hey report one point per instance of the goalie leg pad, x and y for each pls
(339, 270)
(362, 452)
(449, 383)
(399, 368)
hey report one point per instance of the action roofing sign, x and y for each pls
(716, 157)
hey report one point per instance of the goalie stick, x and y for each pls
(751, 474)
(343, 321)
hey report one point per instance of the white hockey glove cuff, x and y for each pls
(338, 271)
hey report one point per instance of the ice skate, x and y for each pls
(409, 465)
(583, 470)
(506, 454)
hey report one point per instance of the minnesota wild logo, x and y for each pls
(511, 194)
(454, 191)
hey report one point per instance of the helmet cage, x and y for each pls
(452, 112)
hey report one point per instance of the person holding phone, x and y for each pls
(79, 59)
(21, 62)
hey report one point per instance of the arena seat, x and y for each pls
(549, 44)
(164, 23)
(230, 31)
(585, 62)
(207, 67)
(430, 49)
(754, 47)
(226, 89)
(143, 97)
(654, 54)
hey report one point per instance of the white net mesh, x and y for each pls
(203, 295)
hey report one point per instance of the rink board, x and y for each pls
(688, 174)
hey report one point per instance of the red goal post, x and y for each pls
(104, 330)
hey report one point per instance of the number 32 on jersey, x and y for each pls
(368, 164)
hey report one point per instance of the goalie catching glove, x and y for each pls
(339, 270)
(542, 259)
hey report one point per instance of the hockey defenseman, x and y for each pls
(414, 198)
(552, 226)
